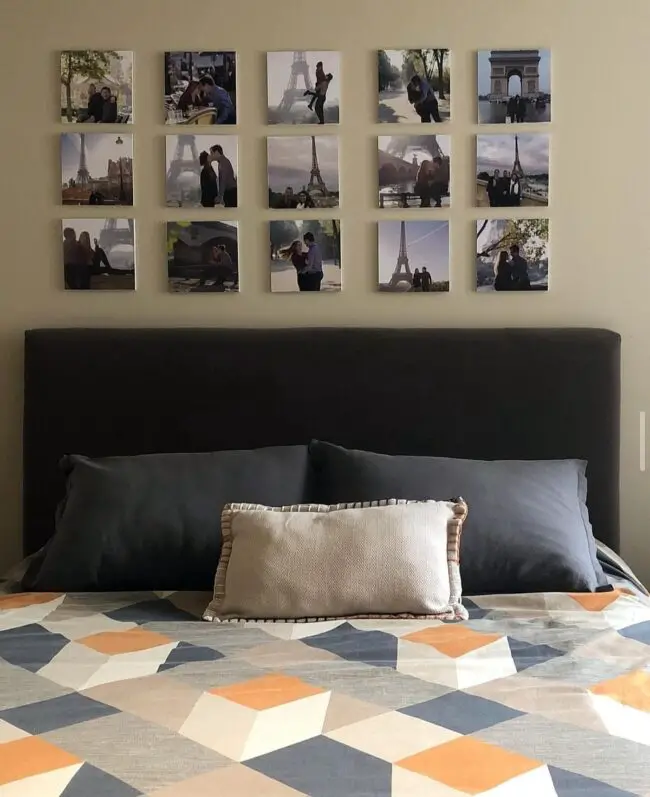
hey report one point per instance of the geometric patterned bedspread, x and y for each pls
(544, 695)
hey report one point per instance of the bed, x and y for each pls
(131, 692)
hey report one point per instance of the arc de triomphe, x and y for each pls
(508, 63)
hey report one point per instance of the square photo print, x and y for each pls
(97, 86)
(305, 256)
(303, 87)
(201, 87)
(512, 170)
(414, 171)
(96, 169)
(201, 171)
(514, 86)
(303, 172)
(98, 254)
(414, 86)
(202, 256)
(512, 255)
(414, 256)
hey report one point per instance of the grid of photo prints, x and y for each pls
(414, 170)
(303, 172)
(201, 170)
(413, 184)
(98, 251)
(512, 170)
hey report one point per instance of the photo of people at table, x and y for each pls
(200, 88)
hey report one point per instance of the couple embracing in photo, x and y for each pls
(511, 271)
(308, 264)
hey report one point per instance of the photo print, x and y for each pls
(303, 87)
(414, 171)
(514, 86)
(201, 88)
(97, 86)
(201, 171)
(512, 170)
(303, 172)
(414, 256)
(96, 169)
(414, 85)
(305, 256)
(98, 254)
(512, 255)
(202, 257)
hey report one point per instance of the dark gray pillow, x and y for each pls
(527, 528)
(154, 521)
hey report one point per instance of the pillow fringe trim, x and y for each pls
(453, 611)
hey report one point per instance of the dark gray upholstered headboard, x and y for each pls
(476, 393)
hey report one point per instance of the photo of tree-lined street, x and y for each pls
(97, 86)
(414, 86)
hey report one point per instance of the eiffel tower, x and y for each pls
(112, 235)
(402, 262)
(180, 164)
(517, 168)
(399, 145)
(292, 94)
(315, 179)
(83, 175)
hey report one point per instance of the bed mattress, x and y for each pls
(132, 694)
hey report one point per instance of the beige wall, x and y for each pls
(600, 218)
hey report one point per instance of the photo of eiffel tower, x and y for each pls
(502, 157)
(517, 168)
(293, 94)
(422, 262)
(291, 82)
(182, 164)
(303, 172)
(316, 182)
(402, 271)
(96, 169)
(111, 242)
(83, 175)
(183, 181)
(183, 172)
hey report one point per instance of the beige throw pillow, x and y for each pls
(312, 562)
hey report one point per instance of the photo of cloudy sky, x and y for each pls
(499, 153)
(290, 160)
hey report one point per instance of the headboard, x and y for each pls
(474, 393)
